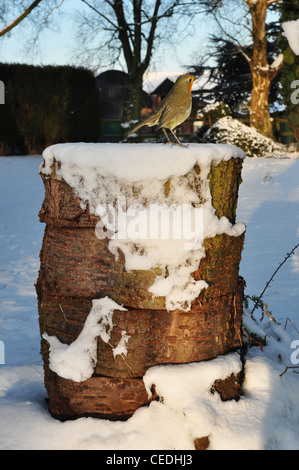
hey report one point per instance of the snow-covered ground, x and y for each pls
(266, 417)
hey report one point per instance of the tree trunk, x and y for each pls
(132, 107)
(132, 39)
(76, 267)
(262, 74)
(260, 117)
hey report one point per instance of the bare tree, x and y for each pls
(38, 15)
(130, 30)
(19, 18)
(263, 73)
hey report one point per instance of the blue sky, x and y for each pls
(57, 47)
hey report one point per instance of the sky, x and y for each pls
(59, 47)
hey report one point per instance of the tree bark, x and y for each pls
(77, 267)
(132, 107)
(262, 73)
(260, 117)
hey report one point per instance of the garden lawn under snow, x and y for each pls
(266, 416)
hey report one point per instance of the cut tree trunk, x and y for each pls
(76, 267)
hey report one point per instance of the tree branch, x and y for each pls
(137, 31)
(100, 13)
(20, 18)
(273, 275)
(46, 18)
(124, 31)
(287, 368)
(151, 35)
(233, 39)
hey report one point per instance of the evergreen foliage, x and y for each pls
(290, 70)
(47, 105)
(230, 79)
(231, 74)
(224, 129)
(212, 112)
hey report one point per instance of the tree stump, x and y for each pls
(77, 268)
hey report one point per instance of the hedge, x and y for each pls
(47, 105)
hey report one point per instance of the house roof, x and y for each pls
(163, 88)
(111, 77)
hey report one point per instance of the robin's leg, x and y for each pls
(178, 141)
(168, 141)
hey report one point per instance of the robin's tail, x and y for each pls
(140, 124)
(151, 121)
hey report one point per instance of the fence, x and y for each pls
(111, 130)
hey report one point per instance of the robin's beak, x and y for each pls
(190, 84)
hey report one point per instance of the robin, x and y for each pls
(173, 109)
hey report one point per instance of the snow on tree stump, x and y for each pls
(113, 304)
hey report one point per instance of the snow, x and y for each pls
(231, 131)
(153, 79)
(291, 32)
(277, 63)
(107, 176)
(266, 417)
(77, 360)
(135, 162)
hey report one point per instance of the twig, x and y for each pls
(289, 367)
(271, 278)
(261, 345)
(260, 304)
(63, 313)
(291, 324)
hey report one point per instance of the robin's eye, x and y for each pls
(190, 80)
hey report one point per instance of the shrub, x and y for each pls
(47, 105)
(231, 131)
(290, 71)
(212, 112)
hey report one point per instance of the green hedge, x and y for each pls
(47, 105)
